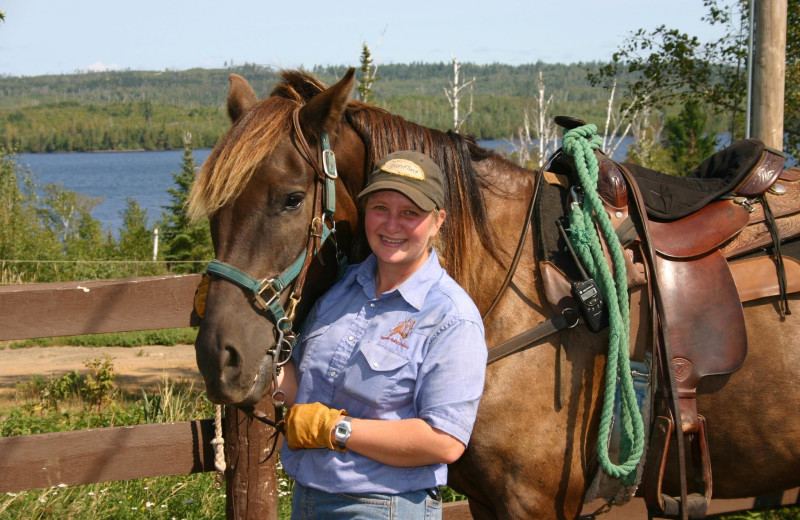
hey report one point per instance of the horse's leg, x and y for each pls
(752, 414)
(528, 453)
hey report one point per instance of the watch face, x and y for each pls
(342, 432)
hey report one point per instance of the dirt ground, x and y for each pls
(135, 367)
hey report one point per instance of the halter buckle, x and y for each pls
(260, 301)
(316, 227)
(329, 164)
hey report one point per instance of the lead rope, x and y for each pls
(580, 144)
(218, 443)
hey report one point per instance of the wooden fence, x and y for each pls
(107, 454)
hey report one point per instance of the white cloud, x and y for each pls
(99, 66)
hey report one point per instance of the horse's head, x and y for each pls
(264, 189)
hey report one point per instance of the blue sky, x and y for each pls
(56, 36)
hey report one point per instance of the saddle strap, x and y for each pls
(669, 389)
(567, 319)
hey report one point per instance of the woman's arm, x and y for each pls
(404, 443)
(287, 383)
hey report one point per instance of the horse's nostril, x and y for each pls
(233, 357)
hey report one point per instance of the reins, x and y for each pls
(518, 253)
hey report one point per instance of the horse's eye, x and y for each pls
(294, 201)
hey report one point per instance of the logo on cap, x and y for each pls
(405, 168)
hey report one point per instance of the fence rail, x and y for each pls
(106, 454)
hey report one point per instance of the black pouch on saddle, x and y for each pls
(552, 206)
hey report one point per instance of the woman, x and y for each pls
(389, 367)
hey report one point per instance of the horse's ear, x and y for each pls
(324, 111)
(241, 97)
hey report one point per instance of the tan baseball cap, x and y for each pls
(413, 174)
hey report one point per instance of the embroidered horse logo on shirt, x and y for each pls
(403, 328)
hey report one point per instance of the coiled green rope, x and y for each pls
(580, 144)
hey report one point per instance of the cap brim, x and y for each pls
(416, 196)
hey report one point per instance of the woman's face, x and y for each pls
(398, 231)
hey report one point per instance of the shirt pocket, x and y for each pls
(374, 375)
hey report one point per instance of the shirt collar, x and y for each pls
(413, 290)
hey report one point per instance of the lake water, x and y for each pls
(115, 176)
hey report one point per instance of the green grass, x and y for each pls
(185, 497)
(168, 337)
(787, 513)
(45, 405)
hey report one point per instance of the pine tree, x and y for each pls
(184, 241)
(368, 75)
(135, 236)
(686, 139)
(23, 235)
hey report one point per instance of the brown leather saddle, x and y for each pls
(688, 242)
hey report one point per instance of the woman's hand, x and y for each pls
(311, 425)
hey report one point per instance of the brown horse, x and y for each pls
(530, 455)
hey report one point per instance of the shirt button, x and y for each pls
(333, 373)
(376, 365)
(350, 338)
(372, 304)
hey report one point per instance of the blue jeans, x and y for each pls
(310, 504)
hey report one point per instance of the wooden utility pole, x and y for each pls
(250, 478)
(769, 71)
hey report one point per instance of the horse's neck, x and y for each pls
(507, 194)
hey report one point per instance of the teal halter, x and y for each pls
(272, 286)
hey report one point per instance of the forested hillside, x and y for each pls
(145, 110)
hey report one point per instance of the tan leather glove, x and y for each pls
(310, 426)
(200, 296)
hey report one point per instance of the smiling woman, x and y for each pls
(403, 213)
(399, 233)
(390, 370)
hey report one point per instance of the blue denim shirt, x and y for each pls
(416, 351)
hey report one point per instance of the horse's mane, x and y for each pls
(254, 136)
(383, 133)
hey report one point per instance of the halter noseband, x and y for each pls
(267, 291)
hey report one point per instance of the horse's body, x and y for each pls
(530, 455)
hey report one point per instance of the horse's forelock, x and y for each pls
(231, 164)
(250, 140)
(298, 86)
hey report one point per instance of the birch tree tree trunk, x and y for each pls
(544, 131)
(454, 96)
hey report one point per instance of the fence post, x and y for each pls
(250, 476)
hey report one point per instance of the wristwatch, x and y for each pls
(342, 431)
